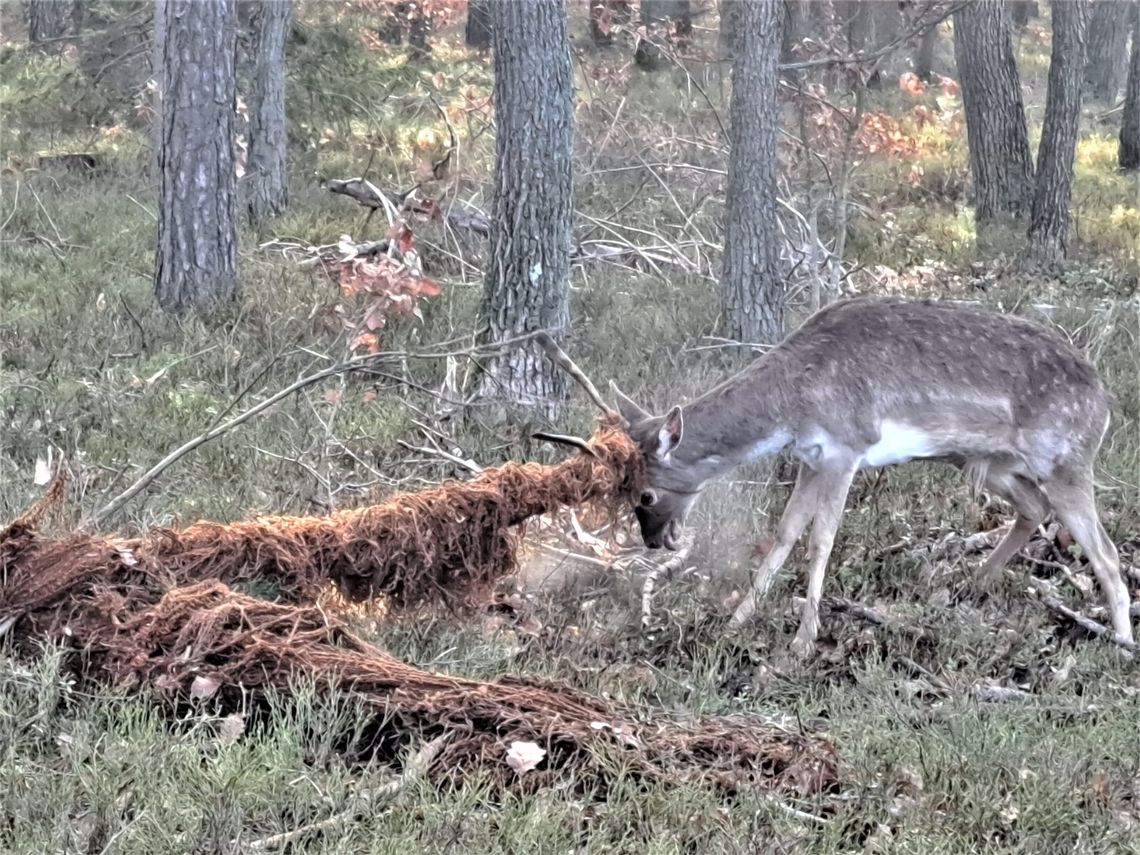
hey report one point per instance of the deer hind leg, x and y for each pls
(1073, 500)
(1031, 506)
(797, 514)
(833, 488)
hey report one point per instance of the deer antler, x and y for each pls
(558, 357)
(565, 439)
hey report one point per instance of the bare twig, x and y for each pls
(854, 609)
(1054, 604)
(414, 770)
(796, 813)
(667, 569)
(991, 693)
(138, 486)
(436, 451)
(939, 14)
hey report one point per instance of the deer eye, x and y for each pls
(648, 499)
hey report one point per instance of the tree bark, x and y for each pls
(752, 293)
(727, 34)
(1021, 11)
(1129, 155)
(48, 20)
(1000, 162)
(196, 261)
(419, 26)
(478, 31)
(527, 284)
(1049, 222)
(266, 180)
(924, 57)
(1107, 49)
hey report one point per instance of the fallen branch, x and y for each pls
(666, 568)
(370, 196)
(1054, 604)
(100, 516)
(630, 256)
(994, 694)
(415, 769)
(858, 610)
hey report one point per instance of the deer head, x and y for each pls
(670, 488)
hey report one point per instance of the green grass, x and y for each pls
(92, 373)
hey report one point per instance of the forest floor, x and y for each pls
(932, 758)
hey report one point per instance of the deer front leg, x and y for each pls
(833, 486)
(797, 514)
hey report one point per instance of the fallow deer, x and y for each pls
(875, 381)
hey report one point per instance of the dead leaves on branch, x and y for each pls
(381, 288)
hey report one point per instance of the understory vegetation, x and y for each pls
(963, 724)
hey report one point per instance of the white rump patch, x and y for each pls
(768, 446)
(899, 443)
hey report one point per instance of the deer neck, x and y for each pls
(744, 418)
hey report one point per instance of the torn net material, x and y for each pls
(156, 614)
(440, 546)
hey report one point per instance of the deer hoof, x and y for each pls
(744, 612)
(803, 648)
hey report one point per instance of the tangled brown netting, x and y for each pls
(442, 545)
(206, 631)
(156, 613)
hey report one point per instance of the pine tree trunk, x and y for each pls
(752, 292)
(1129, 156)
(794, 30)
(1021, 11)
(419, 27)
(267, 188)
(527, 284)
(727, 35)
(196, 261)
(478, 31)
(1107, 49)
(1000, 162)
(924, 57)
(1049, 222)
(48, 20)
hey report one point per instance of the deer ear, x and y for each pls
(669, 436)
(628, 409)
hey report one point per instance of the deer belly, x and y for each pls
(899, 443)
